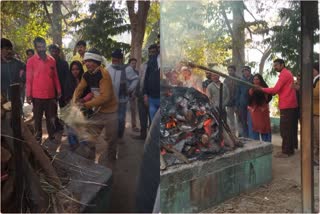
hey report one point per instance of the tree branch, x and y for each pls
(245, 7)
(130, 5)
(223, 12)
(63, 4)
(248, 24)
(250, 32)
(264, 57)
(47, 12)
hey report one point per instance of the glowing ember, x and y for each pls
(207, 126)
(199, 113)
(171, 124)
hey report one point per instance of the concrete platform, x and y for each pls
(202, 184)
(90, 181)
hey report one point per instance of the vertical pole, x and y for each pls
(220, 113)
(307, 30)
(16, 128)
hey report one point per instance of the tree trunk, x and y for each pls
(138, 22)
(56, 23)
(238, 55)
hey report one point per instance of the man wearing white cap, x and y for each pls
(100, 83)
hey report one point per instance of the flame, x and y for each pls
(171, 124)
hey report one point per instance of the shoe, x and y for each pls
(135, 129)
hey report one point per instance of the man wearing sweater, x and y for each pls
(288, 106)
(104, 100)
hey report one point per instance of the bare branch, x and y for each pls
(63, 4)
(47, 12)
(245, 7)
(223, 12)
(250, 32)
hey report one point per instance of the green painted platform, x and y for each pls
(203, 184)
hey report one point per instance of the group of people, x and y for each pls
(101, 90)
(246, 108)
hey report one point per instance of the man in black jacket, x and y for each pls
(12, 69)
(151, 87)
(62, 68)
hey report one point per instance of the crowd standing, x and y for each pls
(102, 92)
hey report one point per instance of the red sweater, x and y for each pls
(283, 87)
(42, 78)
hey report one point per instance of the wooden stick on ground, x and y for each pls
(40, 156)
(179, 155)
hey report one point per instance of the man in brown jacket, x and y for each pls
(104, 102)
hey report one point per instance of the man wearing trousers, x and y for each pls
(288, 106)
(43, 88)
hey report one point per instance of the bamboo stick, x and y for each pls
(210, 70)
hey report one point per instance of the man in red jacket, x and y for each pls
(43, 88)
(288, 106)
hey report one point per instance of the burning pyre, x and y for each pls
(189, 128)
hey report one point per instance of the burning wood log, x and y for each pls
(190, 127)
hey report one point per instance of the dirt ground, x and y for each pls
(126, 170)
(282, 195)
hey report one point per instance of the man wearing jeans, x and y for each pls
(43, 88)
(151, 87)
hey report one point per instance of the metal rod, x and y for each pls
(307, 31)
(16, 128)
(209, 70)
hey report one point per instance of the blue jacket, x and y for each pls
(242, 94)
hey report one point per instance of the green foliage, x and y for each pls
(106, 22)
(152, 27)
(21, 22)
(286, 39)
